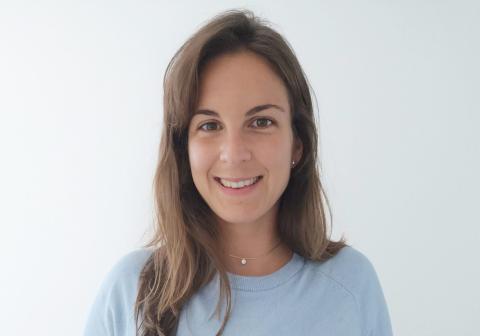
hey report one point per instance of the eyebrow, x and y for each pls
(250, 112)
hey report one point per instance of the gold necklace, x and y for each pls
(243, 260)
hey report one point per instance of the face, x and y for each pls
(240, 134)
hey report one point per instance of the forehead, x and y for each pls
(239, 81)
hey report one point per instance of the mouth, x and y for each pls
(238, 183)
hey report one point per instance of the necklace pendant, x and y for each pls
(244, 261)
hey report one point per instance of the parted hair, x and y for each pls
(184, 242)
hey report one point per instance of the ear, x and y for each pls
(297, 150)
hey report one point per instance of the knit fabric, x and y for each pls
(339, 297)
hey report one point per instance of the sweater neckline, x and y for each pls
(269, 281)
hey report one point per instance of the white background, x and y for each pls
(397, 85)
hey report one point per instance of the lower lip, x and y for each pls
(239, 191)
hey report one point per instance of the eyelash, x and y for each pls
(213, 122)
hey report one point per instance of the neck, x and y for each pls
(253, 239)
(262, 265)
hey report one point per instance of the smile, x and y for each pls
(239, 184)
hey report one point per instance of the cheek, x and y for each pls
(200, 157)
(276, 153)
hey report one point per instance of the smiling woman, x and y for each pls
(239, 168)
(240, 206)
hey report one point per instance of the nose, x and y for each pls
(234, 149)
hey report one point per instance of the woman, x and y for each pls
(241, 244)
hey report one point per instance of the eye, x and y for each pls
(209, 126)
(214, 126)
(263, 122)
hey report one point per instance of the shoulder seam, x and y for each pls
(349, 292)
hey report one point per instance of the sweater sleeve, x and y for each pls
(99, 320)
(111, 313)
(357, 274)
(371, 300)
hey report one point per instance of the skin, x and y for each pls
(231, 144)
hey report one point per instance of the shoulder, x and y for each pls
(351, 272)
(128, 267)
(350, 268)
(121, 282)
(112, 309)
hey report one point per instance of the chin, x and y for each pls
(239, 218)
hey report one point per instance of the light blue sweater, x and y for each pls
(339, 297)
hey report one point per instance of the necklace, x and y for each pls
(243, 260)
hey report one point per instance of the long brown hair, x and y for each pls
(185, 250)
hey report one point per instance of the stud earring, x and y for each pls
(293, 164)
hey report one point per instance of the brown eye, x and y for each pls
(262, 122)
(209, 126)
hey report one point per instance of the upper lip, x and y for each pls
(237, 179)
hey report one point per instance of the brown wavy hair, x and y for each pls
(185, 254)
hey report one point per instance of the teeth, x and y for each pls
(239, 184)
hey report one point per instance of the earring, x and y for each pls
(293, 164)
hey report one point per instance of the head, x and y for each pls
(236, 105)
(252, 65)
(241, 130)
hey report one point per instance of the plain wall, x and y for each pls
(397, 86)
